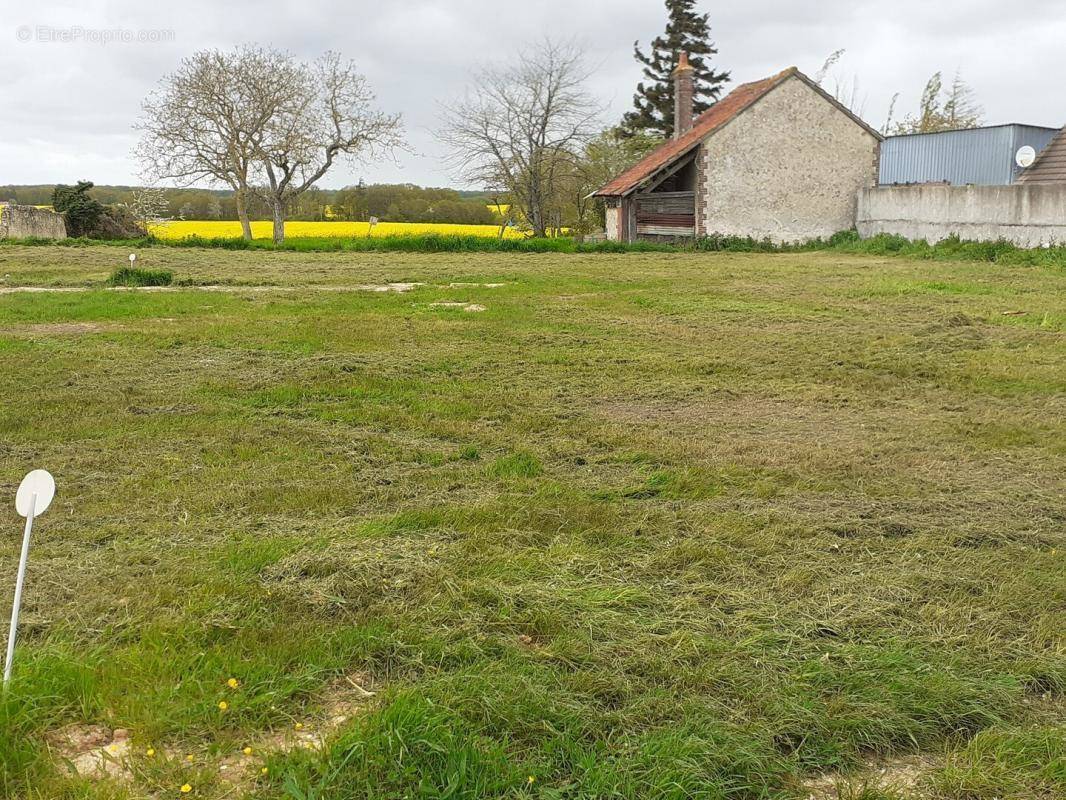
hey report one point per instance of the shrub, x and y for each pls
(844, 238)
(118, 222)
(136, 276)
(82, 213)
(87, 218)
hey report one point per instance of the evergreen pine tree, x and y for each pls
(688, 31)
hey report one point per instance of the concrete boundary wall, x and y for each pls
(20, 222)
(1028, 216)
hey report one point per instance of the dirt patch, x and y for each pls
(389, 287)
(904, 776)
(344, 699)
(468, 307)
(93, 751)
(97, 752)
(49, 328)
(367, 287)
(41, 289)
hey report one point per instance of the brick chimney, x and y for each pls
(683, 91)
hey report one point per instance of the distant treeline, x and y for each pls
(403, 202)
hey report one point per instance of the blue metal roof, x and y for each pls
(981, 156)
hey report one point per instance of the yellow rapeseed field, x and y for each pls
(212, 229)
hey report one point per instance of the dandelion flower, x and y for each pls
(185, 788)
(222, 705)
(150, 752)
(233, 683)
(189, 758)
(263, 771)
(530, 780)
(247, 751)
(299, 726)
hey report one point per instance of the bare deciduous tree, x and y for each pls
(328, 115)
(206, 121)
(957, 111)
(521, 127)
(607, 155)
(149, 207)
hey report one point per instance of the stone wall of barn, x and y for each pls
(789, 169)
(22, 222)
(613, 219)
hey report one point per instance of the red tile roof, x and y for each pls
(705, 124)
(718, 115)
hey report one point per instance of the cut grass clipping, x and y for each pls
(668, 526)
(138, 276)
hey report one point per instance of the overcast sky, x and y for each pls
(67, 106)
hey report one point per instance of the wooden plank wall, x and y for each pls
(666, 213)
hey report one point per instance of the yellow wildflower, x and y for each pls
(189, 758)
(233, 683)
(150, 752)
(263, 771)
(247, 751)
(185, 788)
(223, 705)
(298, 726)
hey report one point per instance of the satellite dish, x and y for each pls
(41, 483)
(1025, 157)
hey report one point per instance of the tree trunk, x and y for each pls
(279, 222)
(242, 215)
(536, 216)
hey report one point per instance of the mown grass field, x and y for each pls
(647, 526)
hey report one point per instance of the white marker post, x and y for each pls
(34, 495)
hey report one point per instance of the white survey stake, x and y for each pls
(34, 495)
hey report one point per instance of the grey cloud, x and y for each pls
(68, 108)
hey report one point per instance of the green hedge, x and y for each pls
(953, 249)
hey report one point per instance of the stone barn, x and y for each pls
(778, 158)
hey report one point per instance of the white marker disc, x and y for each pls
(41, 482)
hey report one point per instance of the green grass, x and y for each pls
(671, 525)
(134, 276)
(404, 243)
(951, 249)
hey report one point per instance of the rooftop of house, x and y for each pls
(1050, 165)
(716, 117)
